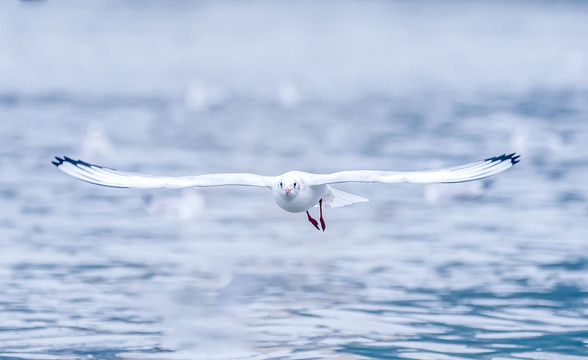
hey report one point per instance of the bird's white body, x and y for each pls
(294, 191)
(303, 202)
(302, 197)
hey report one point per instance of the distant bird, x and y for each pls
(200, 96)
(96, 142)
(464, 191)
(537, 142)
(293, 191)
(187, 207)
(435, 193)
(288, 95)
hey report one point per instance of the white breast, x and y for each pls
(307, 198)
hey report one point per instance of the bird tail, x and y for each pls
(338, 198)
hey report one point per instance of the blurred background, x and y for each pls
(494, 269)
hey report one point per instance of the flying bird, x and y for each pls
(293, 191)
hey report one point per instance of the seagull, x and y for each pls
(293, 191)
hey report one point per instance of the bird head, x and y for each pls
(287, 186)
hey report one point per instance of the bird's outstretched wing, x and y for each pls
(114, 178)
(473, 171)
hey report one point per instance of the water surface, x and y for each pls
(223, 273)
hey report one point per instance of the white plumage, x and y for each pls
(294, 191)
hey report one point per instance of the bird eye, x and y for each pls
(294, 184)
(281, 184)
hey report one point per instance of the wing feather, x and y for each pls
(99, 175)
(468, 172)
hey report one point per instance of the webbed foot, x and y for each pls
(312, 221)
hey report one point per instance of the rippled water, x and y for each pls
(450, 272)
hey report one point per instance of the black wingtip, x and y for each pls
(69, 160)
(84, 163)
(514, 158)
(74, 162)
(64, 159)
(58, 162)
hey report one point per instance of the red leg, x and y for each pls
(323, 225)
(312, 221)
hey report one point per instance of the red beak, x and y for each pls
(287, 190)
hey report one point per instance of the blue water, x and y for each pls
(498, 271)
